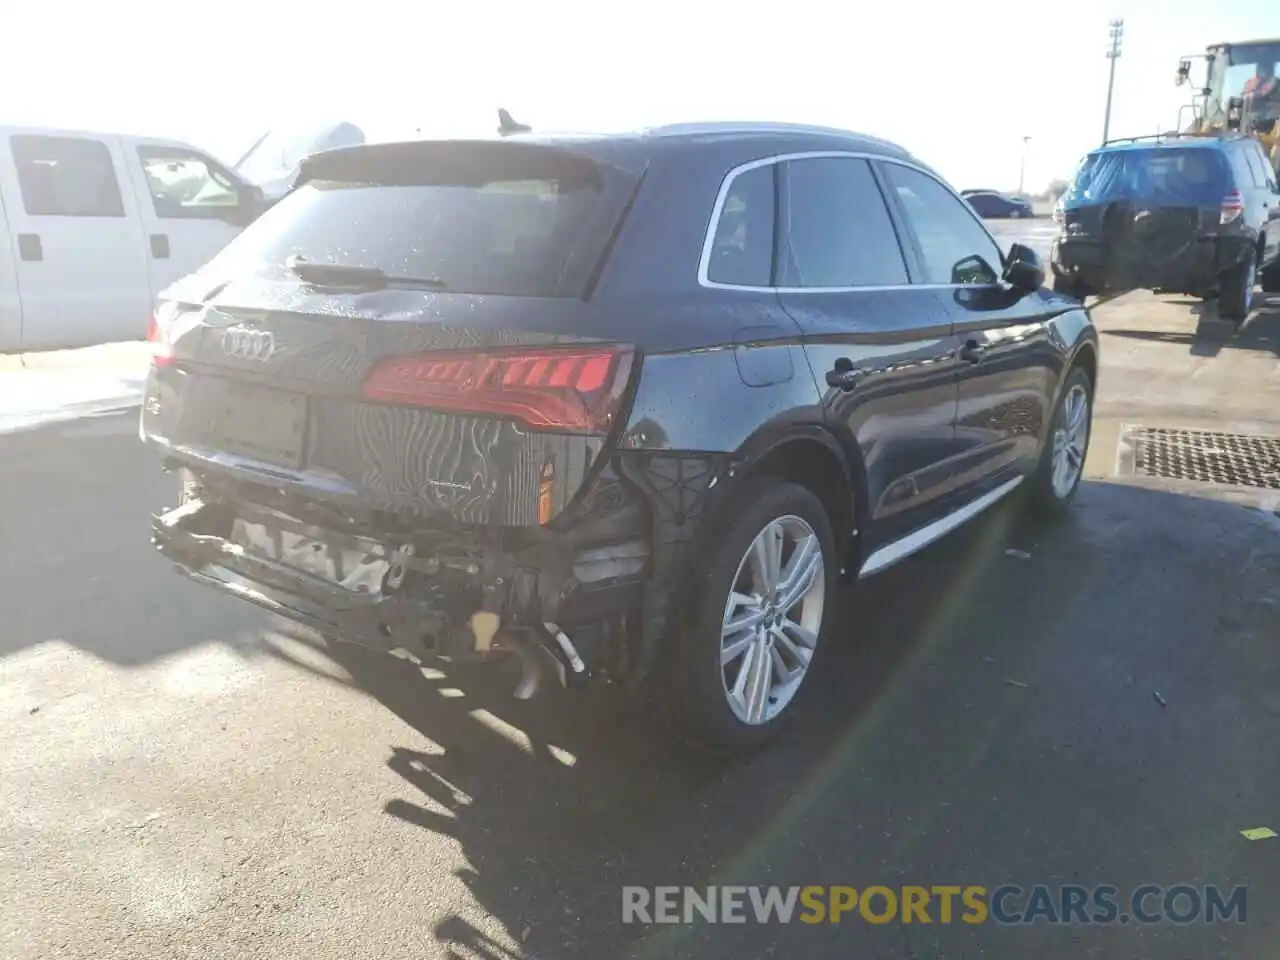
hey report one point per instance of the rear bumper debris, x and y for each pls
(384, 596)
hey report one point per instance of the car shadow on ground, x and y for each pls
(997, 684)
(1261, 332)
(77, 556)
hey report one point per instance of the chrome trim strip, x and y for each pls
(708, 240)
(900, 549)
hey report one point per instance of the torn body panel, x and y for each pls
(396, 582)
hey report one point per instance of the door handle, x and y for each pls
(973, 351)
(159, 246)
(843, 376)
(29, 247)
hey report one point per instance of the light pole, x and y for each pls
(1022, 174)
(1116, 28)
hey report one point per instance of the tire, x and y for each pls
(1071, 286)
(691, 688)
(1015, 214)
(1235, 298)
(1050, 495)
(1271, 278)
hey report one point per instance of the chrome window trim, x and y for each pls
(708, 241)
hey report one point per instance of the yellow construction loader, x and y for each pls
(1241, 92)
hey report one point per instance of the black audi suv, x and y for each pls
(627, 407)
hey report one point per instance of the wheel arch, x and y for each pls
(810, 455)
(1086, 357)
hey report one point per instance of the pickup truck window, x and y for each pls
(186, 185)
(66, 177)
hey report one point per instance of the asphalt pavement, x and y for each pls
(1091, 703)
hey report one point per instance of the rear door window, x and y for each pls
(66, 177)
(1245, 172)
(482, 218)
(1268, 172)
(741, 252)
(1256, 164)
(837, 229)
(955, 247)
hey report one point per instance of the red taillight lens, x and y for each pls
(554, 388)
(161, 349)
(1232, 207)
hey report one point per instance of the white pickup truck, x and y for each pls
(93, 226)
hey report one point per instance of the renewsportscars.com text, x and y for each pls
(972, 904)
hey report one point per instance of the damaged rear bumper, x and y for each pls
(450, 604)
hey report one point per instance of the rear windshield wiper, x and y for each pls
(354, 275)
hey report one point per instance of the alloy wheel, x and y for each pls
(1070, 441)
(772, 619)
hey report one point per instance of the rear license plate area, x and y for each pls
(355, 564)
(260, 423)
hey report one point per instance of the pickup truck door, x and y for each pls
(78, 255)
(191, 205)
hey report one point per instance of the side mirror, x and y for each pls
(252, 203)
(1023, 270)
(1184, 72)
(253, 198)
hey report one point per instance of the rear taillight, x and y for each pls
(552, 388)
(158, 341)
(1232, 207)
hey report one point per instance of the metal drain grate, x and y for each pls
(1233, 459)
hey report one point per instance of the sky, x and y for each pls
(960, 85)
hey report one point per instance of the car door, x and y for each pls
(1008, 367)
(192, 207)
(881, 348)
(81, 272)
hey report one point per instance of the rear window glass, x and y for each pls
(512, 235)
(742, 250)
(1162, 175)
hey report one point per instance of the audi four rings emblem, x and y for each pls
(248, 344)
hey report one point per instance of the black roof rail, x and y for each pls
(1173, 135)
(1107, 143)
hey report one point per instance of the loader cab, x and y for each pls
(1242, 91)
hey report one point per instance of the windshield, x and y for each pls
(1191, 176)
(513, 237)
(1242, 69)
(278, 155)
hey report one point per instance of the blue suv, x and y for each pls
(1178, 214)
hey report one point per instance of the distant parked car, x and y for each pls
(1172, 214)
(993, 205)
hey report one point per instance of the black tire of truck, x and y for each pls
(1235, 295)
(686, 694)
(1071, 286)
(1271, 277)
